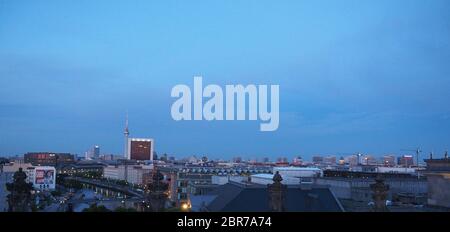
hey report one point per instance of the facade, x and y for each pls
(114, 172)
(110, 157)
(396, 170)
(135, 174)
(282, 162)
(140, 149)
(341, 161)
(405, 160)
(358, 189)
(237, 159)
(200, 189)
(368, 160)
(329, 160)
(355, 186)
(388, 160)
(96, 152)
(352, 160)
(93, 153)
(42, 177)
(290, 175)
(438, 176)
(147, 178)
(299, 172)
(48, 158)
(14, 167)
(179, 181)
(179, 178)
(265, 179)
(317, 159)
(40, 158)
(221, 180)
(297, 161)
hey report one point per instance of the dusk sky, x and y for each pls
(370, 76)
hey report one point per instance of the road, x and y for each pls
(108, 185)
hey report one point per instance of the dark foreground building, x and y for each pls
(438, 176)
(244, 197)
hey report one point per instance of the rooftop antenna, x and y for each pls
(126, 134)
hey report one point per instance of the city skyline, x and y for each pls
(354, 76)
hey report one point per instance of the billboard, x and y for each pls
(44, 178)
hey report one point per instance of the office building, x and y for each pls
(438, 178)
(352, 160)
(48, 158)
(388, 160)
(329, 160)
(135, 174)
(317, 159)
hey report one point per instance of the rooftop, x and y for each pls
(296, 169)
(239, 197)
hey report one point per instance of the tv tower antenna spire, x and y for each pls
(126, 134)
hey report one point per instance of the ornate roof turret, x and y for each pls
(277, 177)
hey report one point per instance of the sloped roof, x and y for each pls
(233, 197)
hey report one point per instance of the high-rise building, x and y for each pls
(140, 149)
(282, 161)
(134, 174)
(368, 160)
(48, 158)
(297, 161)
(330, 160)
(96, 152)
(389, 160)
(405, 160)
(437, 172)
(341, 161)
(352, 160)
(93, 153)
(317, 159)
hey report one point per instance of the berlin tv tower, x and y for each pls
(126, 133)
